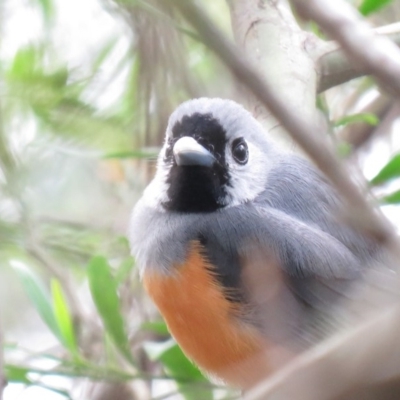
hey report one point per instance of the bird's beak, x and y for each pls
(188, 152)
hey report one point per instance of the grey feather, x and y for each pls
(293, 220)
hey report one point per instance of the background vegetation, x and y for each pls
(82, 116)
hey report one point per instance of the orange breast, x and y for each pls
(205, 324)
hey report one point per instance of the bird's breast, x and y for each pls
(205, 324)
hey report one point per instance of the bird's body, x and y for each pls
(239, 243)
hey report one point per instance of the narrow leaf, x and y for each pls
(38, 295)
(370, 6)
(367, 118)
(104, 53)
(130, 154)
(178, 366)
(158, 327)
(63, 317)
(61, 392)
(124, 270)
(390, 171)
(104, 292)
(393, 198)
(175, 362)
(17, 374)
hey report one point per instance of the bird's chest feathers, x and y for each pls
(202, 320)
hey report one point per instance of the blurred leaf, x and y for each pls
(393, 198)
(158, 327)
(104, 292)
(61, 392)
(130, 154)
(104, 53)
(63, 317)
(178, 366)
(390, 171)
(47, 7)
(370, 6)
(124, 270)
(370, 119)
(38, 295)
(16, 374)
(343, 149)
(175, 362)
(54, 97)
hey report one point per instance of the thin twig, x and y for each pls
(369, 52)
(303, 131)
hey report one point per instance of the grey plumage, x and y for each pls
(278, 204)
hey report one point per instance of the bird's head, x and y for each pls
(215, 155)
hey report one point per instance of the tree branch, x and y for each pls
(327, 372)
(267, 30)
(334, 68)
(381, 57)
(359, 133)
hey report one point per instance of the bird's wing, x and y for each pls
(304, 250)
(297, 275)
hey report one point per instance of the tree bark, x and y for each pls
(273, 42)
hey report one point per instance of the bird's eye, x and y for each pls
(240, 151)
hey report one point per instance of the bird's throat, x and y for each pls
(194, 189)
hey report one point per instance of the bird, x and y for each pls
(239, 243)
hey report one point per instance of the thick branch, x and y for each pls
(267, 30)
(334, 68)
(368, 52)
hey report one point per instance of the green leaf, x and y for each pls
(393, 198)
(175, 362)
(25, 62)
(17, 374)
(130, 154)
(367, 118)
(63, 317)
(370, 6)
(390, 171)
(158, 327)
(178, 366)
(124, 270)
(47, 7)
(104, 292)
(38, 295)
(343, 149)
(61, 392)
(104, 53)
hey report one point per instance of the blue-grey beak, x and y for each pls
(188, 152)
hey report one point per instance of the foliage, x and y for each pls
(370, 6)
